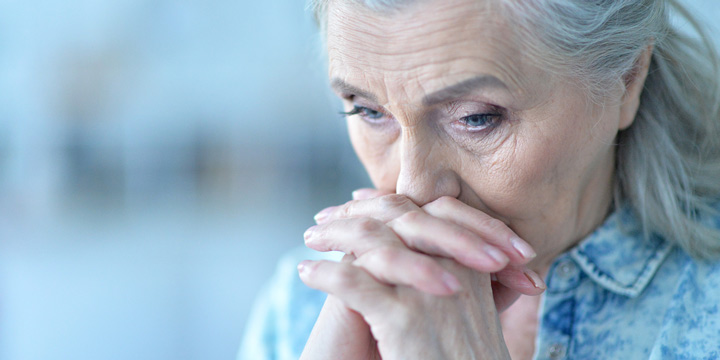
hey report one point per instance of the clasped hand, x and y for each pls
(416, 282)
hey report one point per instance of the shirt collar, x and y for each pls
(618, 257)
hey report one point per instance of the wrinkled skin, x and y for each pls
(512, 152)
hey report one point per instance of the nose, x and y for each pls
(426, 172)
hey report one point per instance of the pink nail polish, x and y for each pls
(523, 248)
(535, 279)
(304, 267)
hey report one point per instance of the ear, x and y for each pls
(634, 82)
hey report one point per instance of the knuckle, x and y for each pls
(411, 216)
(465, 237)
(386, 255)
(393, 201)
(345, 211)
(368, 226)
(425, 269)
(342, 277)
(442, 205)
(493, 224)
(446, 202)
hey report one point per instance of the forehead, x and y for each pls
(425, 46)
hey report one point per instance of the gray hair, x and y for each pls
(668, 160)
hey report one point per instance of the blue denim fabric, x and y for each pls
(613, 296)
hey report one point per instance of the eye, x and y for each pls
(364, 112)
(479, 122)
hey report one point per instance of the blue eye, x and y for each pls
(478, 122)
(364, 112)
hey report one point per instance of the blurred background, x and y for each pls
(156, 158)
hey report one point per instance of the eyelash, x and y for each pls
(363, 112)
(495, 118)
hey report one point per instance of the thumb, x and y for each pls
(512, 281)
(503, 296)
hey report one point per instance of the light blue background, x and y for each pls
(156, 157)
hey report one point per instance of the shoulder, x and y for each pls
(284, 311)
(693, 278)
(663, 301)
(691, 319)
(696, 276)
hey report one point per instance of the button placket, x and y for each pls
(566, 269)
(564, 276)
(558, 310)
(556, 351)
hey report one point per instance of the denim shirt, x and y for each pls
(613, 296)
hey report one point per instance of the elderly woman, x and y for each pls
(547, 176)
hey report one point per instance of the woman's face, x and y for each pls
(446, 103)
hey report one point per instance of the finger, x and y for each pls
(399, 266)
(512, 282)
(383, 208)
(380, 252)
(503, 296)
(435, 236)
(490, 229)
(522, 280)
(368, 193)
(352, 236)
(349, 283)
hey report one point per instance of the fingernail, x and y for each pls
(304, 267)
(534, 279)
(451, 282)
(322, 215)
(523, 248)
(496, 254)
(308, 233)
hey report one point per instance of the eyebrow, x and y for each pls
(463, 88)
(449, 93)
(342, 87)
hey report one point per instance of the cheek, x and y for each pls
(542, 173)
(377, 154)
(518, 178)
